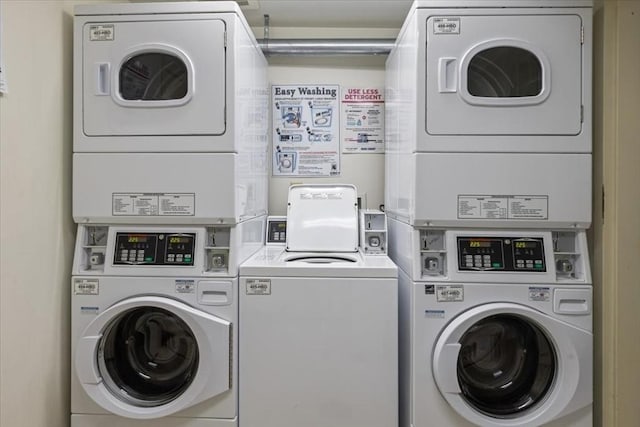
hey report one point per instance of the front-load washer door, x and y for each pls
(148, 357)
(146, 78)
(503, 75)
(505, 364)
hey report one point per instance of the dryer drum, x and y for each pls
(148, 356)
(506, 365)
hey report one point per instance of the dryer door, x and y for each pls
(506, 364)
(148, 357)
(146, 78)
(501, 75)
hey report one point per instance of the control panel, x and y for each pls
(174, 249)
(276, 230)
(510, 254)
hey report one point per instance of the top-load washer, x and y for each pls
(318, 321)
(166, 77)
(170, 115)
(494, 99)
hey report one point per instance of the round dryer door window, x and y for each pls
(148, 356)
(505, 366)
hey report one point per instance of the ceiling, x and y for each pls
(327, 13)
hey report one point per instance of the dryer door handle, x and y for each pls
(103, 74)
(86, 366)
(447, 78)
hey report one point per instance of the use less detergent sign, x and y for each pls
(362, 120)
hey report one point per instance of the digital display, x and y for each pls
(180, 239)
(526, 245)
(137, 239)
(480, 244)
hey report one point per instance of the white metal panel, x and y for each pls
(560, 183)
(322, 218)
(322, 349)
(199, 43)
(452, 110)
(219, 194)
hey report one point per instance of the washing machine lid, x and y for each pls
(322, 218)
(505, 364)
(149, 357)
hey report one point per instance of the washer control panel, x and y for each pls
(511, 254)
(173, 249)
(276, 230)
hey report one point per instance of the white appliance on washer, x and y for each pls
(482, 99)
(496, 327)
(154, 324)
(318, 322)
(170, 114)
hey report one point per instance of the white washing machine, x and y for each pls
(318, 322)
(496, 327)
(154, 324)
(480, 98)
(170, 114)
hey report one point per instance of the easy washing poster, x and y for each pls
(306, 130)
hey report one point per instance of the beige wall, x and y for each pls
(617, 230)
(36, 230)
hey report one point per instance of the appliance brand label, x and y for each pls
(185, 286)
(89, 310)
(153, 204)
(434, 314)
(101, 33)
(450, 293)
(503, 207)
(446, 26)
(86, 286)
(258, 287)
(539, 294)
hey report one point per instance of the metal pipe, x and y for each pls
(271, 47)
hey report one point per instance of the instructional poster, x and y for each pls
(362, 120)
(306, 130)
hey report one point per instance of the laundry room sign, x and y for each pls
(362, 119)
(306, 130)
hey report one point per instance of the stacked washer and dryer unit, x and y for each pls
(170, 194)
(488, 191)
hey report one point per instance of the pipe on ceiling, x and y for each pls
(272, 47)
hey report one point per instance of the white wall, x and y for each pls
(36, 230)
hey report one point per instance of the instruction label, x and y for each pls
(258, 287)
(306, 130)
(449, 293)
(362, 117)
(86, 286)
(153, 204)
(503, 207)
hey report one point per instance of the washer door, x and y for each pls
(505, 364)
(148, 357)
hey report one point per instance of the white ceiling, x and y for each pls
(327, 13)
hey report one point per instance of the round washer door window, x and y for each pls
(148, 356)
(506, 365)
